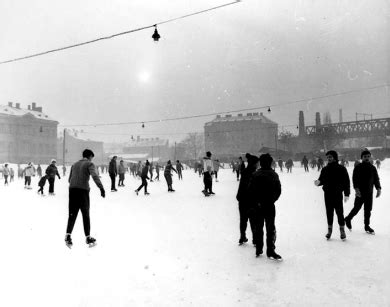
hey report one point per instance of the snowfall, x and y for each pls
(181, 248)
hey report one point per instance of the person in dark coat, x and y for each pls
(179, 168)
(157, 172)
(168, 175)
(280, 163)
(364, 178)
(112, 171)
(41, 184)
(79, 189)
(144, 176)
(52, 172)
(334, 180)
(244, 207)
(305, 163)
(208, 169)
(263, 191)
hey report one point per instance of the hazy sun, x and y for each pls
(144, 76)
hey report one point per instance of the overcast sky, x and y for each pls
(251, 54)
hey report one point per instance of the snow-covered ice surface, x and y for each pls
(180, 249)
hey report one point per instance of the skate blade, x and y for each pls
(92, 244)
(275, 259)
(69, 245)
(371, 233)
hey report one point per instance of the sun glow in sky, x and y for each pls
(144, 76)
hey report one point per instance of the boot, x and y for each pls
(348, 223)
(369, 230)
(329, 234)
(68, 240)
(343, 236)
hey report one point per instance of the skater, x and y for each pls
(168, 175)
(378, 163)
(280, 163)
(52, 172)
(244, 207)
(289, 164)
(305, 163)
(320, 163)
(151, 167)
(39, 171)
(207, 171)
(79, 195)
(216, 166)
(334, 180)
(179, 168)
(364, 178)
(240, 168)
(28, 172)
(263, 191)
(41, 184)
(121, 173)
(112, 171)
(63, 170)
(11, 174)
(157, 172)
(5, 173)
(144, 176)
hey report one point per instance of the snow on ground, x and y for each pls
(180, 249)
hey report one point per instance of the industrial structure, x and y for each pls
(154, 149)
(27, 134)
(228, 135)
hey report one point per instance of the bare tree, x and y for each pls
(193, 146)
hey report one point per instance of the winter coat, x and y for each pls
(264, 188)
(242, 193)
(29, 171)
(168, 169)
(334, 179)
(80, 173)
(121, 169)
(52, 171)
(179, 167)
(216, 166)
(6, 170)
(112, 170)
(207, 165)
(42, 181)
(364, 177)
(144, 173)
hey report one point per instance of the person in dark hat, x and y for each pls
(144, 176)
(334, 180)
(244, 201)
(208, 169)
(364, 178)
(168, 175)
(263, 191)
(79, 188)
(113, 171)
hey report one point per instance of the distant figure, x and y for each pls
(79, 195)
(41, 184)
(112, 171)
(6, 173)
(216, 166)
(29, 171)
(39, 171)
(168, 175)
(364, 178)
(207, 171)
(334, 180)
(289, 164)
(305, 163)
(52, 172)
(378, 163)
(11, 174)
(320, 163)
(151, 167)
(63, 170)
(157, 172)
(121, 173)
(280, 163)
(144, 176)
(179, 168)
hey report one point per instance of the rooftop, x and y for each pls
(17, 111)
(241, 117)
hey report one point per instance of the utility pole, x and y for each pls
(63, 148)
(175, 153)
(152, 154)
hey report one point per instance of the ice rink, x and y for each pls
(180, 249)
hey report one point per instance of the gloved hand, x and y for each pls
(357, 192)
(102, 193)
(317, 182)
(378, 193)
(346, 198)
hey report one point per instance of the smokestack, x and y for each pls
(318, 119)
(28, 107)
(17, 105)
(10, 104)
(33, 106)
(301, 123)
(340, 115)
(39, 109)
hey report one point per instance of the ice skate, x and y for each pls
(68, 241)
(343, 236)
(136, 192)
(242, 240)
(369, 230)
(147, 193)
(274, 256)
(205, 193)
(348, 224)
(90, 241)
(259, 252)
(329, 234)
